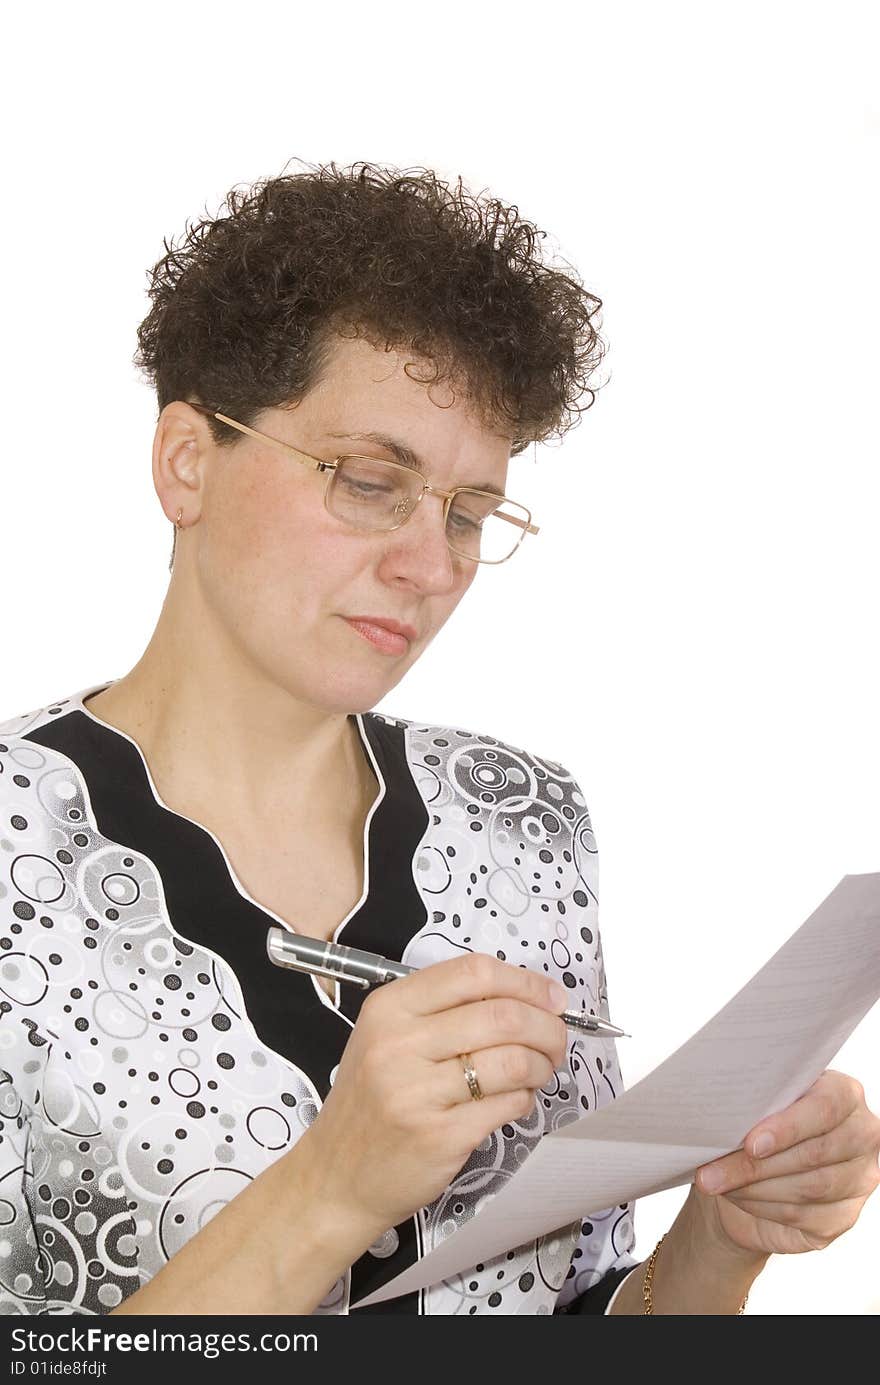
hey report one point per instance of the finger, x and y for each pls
(830, 1183)
(832, 1097)
(475, 976)
(469, 1122)
(498, 1070)
(856, 1134)
(487, 1024)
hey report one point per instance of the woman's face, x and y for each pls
(277, 575)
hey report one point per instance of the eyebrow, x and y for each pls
(407, 457)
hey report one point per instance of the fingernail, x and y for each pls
(711, 1179)
(558, 997)
(763, 1144)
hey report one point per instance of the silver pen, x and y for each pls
(366, 969)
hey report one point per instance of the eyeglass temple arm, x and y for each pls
(520, 523)
(294, 452)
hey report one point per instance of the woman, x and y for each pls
(344, 365)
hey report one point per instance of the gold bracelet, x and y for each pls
(649, 1279)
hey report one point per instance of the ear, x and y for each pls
(181, 447)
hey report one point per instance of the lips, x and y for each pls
(389, 636)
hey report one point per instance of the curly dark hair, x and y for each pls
(245, 307)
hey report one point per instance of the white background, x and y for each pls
(694, 632)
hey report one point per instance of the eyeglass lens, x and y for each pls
(371, 494)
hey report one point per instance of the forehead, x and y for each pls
(382, 402)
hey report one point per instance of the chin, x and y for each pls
(349, 693)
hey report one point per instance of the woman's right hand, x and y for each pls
(399, 1121)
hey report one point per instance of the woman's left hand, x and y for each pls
(812, 1183)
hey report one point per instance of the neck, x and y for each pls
(215, 730)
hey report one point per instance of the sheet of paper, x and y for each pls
(757, 1055)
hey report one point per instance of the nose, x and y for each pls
(418, 552)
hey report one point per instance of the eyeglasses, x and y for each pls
(373, 494)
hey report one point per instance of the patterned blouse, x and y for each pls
(153, 1060)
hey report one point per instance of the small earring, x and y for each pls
(178, 518)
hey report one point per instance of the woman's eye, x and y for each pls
(463, 522)
(365, 488)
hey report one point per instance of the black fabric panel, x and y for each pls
(393, 912)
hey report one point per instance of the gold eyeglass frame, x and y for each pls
(316, 464)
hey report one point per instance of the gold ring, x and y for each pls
(471, 1076)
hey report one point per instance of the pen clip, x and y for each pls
(315, 969)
